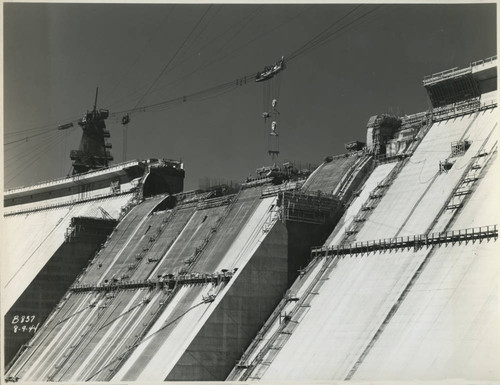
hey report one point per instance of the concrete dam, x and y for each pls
(380, 264)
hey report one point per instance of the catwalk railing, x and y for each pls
(215, 202)
(169, 282)
(416, 241)
(460, 109)
(274, 190)
(67, 203)
(454, 72)
(73, 178)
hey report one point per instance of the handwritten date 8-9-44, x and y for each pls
(24, 323)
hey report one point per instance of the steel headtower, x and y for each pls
(93, 153)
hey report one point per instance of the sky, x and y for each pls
(55, 55)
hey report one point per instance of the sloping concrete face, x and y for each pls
(426, 313)
(328, 175)
(249, 300)
(349, 305)
(202, 328)
(120, 321)
(31, 239)
(376, 176)
(80, 320)
(419, 191)
(447, 326)
(48, 287)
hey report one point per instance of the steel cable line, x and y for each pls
(148, 90)
(17, 155)
(23, 154)
(35, 157)
(320, 36)
(224, 33)
(203, 66)
(25, 139)
(352, 25)
(131, 96)
(105, 324)
(223, 92)
(385, 11)
(325, 39)
(83, 337)
(157, 79)
(19, 170)
(173, 56)
(30, 145)
(318, 40)
(198, 98)
(180, 99)
(200, 32)
(147, 337)
(73, 119)
(245, 20)
(242, 25)
(48, 126)
(140, 54)
(55, 324)
(29, 131)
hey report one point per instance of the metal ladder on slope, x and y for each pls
(329, 263)
(374, 197)
(82, 337)
(350, 175)
(465, 184)
(199, 250)
(468, 180)
(159, 231)
(132, 268)
(426, 259)
(122, 357)
(274, 215)
(243, 362)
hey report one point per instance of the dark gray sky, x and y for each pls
(56, 54)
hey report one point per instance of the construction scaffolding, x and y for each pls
(458, 109)
(89, 225)
(166, 281)
(458, 148)
(456, 85)
(215, 202)
(315, 208)
(416, 242)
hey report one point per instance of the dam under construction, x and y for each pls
(379, 264)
